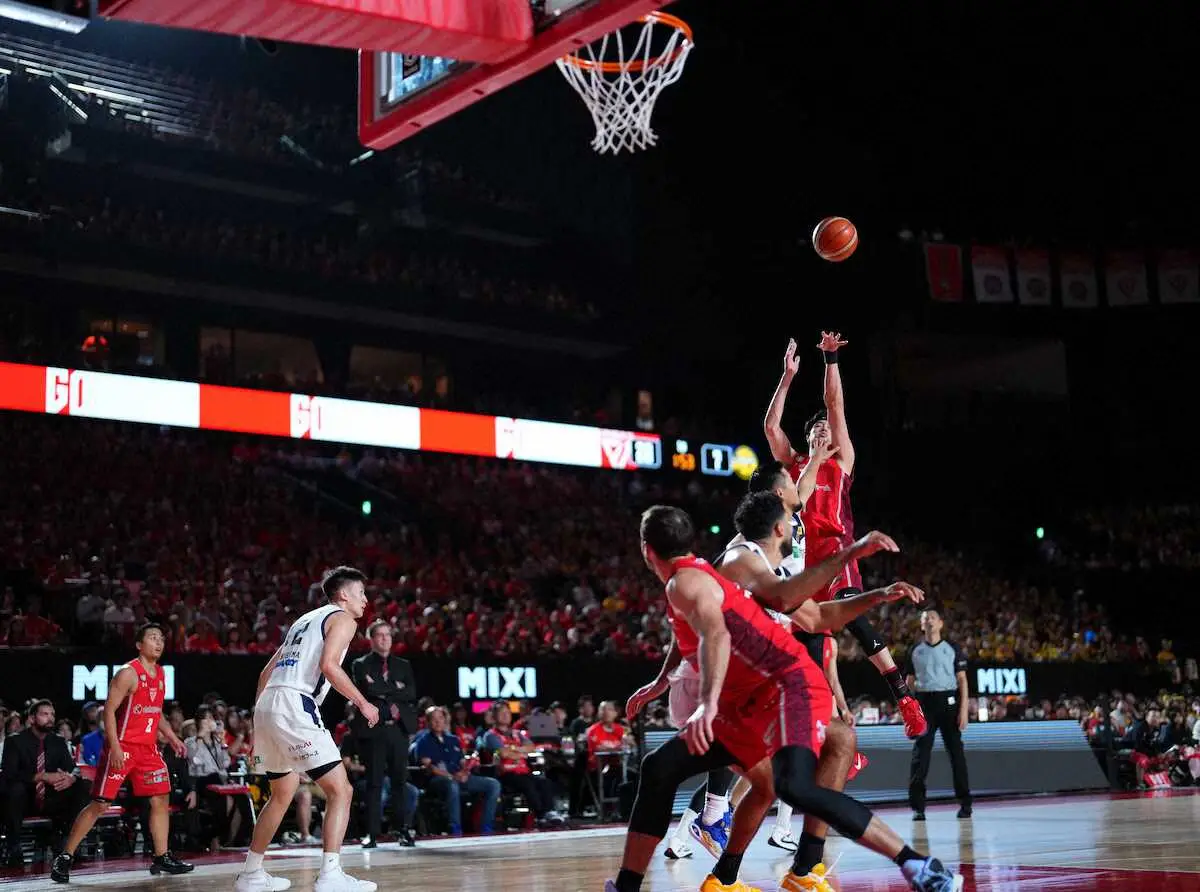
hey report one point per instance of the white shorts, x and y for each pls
(685, 694)
(289, 734)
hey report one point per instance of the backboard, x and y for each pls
(400, 94)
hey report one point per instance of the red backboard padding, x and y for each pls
(475, 30)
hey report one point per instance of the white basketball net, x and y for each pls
(622, 101)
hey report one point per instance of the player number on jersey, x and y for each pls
(298, 635)
(149, 725)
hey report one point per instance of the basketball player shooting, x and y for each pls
(828, 521)
(290, 736)
(763, 707)
(133, 719)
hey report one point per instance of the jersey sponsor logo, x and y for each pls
(299, 747)
(139, 709)
(1000, 681)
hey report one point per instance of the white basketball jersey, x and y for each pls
(299, 663)
(781, 571)
(794, 562)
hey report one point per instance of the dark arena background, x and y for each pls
(269, 305)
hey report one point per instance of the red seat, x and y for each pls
(230, 789)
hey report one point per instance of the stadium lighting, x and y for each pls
(1041, 532)
(366, 508)
(714, 529)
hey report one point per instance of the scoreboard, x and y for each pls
(715, 459)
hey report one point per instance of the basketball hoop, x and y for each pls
(621, 93)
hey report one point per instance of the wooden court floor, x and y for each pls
(1101, 843)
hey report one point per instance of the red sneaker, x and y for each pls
(860, 762)
(914, 719)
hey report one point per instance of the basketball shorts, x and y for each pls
(684, 695)
(822, 549)
(289, 734)
(792, 710)
(144, 768)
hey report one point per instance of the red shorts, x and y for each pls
(144, 767)
(793, 710)
(817, 550)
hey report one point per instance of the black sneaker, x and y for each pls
(964, 812)
(60, 870)
(369, 842)
(404, 838)
(168, 863)
(918, 816)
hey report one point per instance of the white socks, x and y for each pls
(685, 824)
(714, 808)
(254, 861)
(783, 816)
(331, 862)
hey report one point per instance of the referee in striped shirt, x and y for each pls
(939, 676)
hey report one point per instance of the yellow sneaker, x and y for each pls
(814, 881)
(712, 884)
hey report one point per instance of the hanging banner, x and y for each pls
(1033, 277)
(989, 268)
(1178, 279)
(1077, 277)
(1125, 280)
(943, 266)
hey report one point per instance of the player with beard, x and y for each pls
(762, 706)
(133, 719)
(828, 520)
(708, 816)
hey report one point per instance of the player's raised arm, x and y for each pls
(339, 633)
(781, 446)
(698, 598)
(835, 404)
(788, 595)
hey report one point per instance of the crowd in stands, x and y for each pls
(223, 544)
(556, 767)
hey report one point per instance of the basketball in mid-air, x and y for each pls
(835, 239)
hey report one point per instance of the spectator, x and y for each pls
(208, 764)
(91, 744)
(441, 756)
(511, 748)
(39, 779)
(608, 736)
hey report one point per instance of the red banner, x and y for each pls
(943, 266)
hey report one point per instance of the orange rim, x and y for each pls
(637, 64)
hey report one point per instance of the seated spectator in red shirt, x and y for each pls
(204, 640)
(510, 749)
(606, 735)
(38, 629)
(464, 730)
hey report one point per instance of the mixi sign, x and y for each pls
(91, 682)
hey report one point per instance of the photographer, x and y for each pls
(387, 682)
(208, 764)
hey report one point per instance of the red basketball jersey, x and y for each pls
(827, 513)
(138, 715)
(760, 648)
